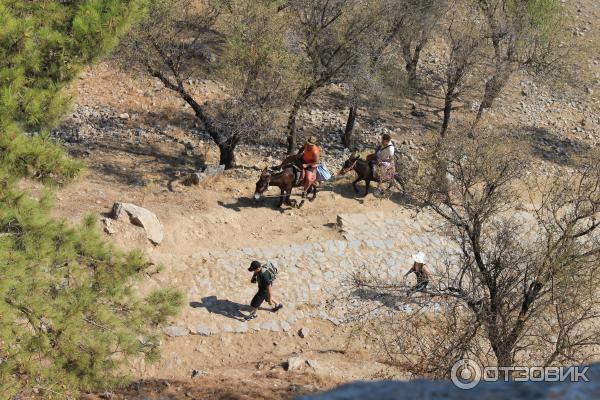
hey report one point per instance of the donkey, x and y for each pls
(285, 180)
(364, 172)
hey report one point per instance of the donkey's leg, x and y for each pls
(314, 193)
(354, 185)
(303, 197)
(289, 202)
(281, 197)
(392, 184)
(367, 186)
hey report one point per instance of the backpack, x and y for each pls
(271, 269)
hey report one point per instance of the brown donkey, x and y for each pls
(285, 181)
(364, 172)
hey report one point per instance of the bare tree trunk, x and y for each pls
(505, 359)
(226, 146)
(448, 100)
(291, 125)
(493, 87)
(227, 152)
(411, 58)
(353, 112)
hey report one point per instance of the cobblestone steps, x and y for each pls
(310, 274)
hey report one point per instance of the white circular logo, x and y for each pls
(465, 374)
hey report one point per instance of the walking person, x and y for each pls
(263, 275)
(421, 272)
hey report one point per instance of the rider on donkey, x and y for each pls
(382, 161)
(309, 158)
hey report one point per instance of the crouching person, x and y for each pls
(263, 275)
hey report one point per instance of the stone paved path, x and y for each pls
(218, 285)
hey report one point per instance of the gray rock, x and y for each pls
(303, 332)
(241, 328)
(271, 326)
(212, 170)
(285, 326)
(197, 177)
(445, 390)
(141, 217)
(294, 364)
(108, 226)
(176, 331)
(202, 330)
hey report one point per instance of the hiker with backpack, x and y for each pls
(264, 275)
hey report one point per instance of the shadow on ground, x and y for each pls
(209, 387)
(549, 146)
(224, 307)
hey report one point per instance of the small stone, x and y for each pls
(303, 332)
(124, 116)
(195, 373)
(293, 364)
(108, 226)
(312, 363)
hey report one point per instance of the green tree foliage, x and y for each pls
(68, 315)
(44, 44)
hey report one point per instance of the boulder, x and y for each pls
(446, 390)
(141, 217)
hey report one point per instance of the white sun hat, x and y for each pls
(419, 257)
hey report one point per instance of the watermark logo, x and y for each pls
(466, 374)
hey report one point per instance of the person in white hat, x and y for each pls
(421, 272)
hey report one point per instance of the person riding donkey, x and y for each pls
(307, 160)
(382, 161)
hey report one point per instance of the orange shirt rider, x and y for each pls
(310, 153)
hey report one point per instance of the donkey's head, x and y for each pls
(350, 163)
(263, 183)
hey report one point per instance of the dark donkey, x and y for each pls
(284, 180)
(364, 172)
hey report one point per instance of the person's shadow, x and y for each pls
(226, 308)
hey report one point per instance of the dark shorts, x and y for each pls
(419, 287)
(258, 298)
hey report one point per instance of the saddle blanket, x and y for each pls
(384, 171)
